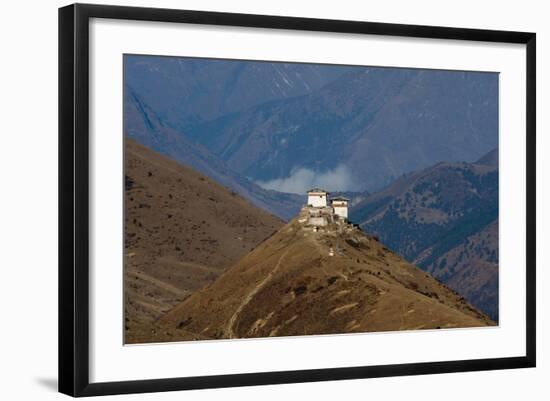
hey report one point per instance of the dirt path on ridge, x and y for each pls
(251, 295)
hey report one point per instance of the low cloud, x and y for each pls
(302, 179)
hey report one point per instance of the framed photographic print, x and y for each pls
(249, 199)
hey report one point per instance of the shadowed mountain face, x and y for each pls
(181, 231)
(445, 220)
(143, 124)
(366, 128)
(291, 126)
(187, 91)
(334, 280)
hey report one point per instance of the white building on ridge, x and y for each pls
(317, 197)
(320, 213)
(340, 206)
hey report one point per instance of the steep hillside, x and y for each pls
(181, 231)
(373, 123)
(300, 281)
(445, 220)
(471, 268)
(144, 125)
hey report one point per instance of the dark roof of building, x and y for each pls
(340, 198)
(317, 190)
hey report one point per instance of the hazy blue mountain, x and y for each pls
(364, 129)
(187, 91)
(445, 220)
(145, 126)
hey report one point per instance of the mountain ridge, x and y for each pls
(297, 275)
(181, 231)
(142, 124)
(190, 90)
(429, 216)
(378, 122)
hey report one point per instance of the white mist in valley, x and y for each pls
(302, 179)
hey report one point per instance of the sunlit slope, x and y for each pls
(291, 285)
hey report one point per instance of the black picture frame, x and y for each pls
(74, 198)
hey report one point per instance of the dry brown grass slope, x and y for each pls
(181, 231)
(291, 285)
